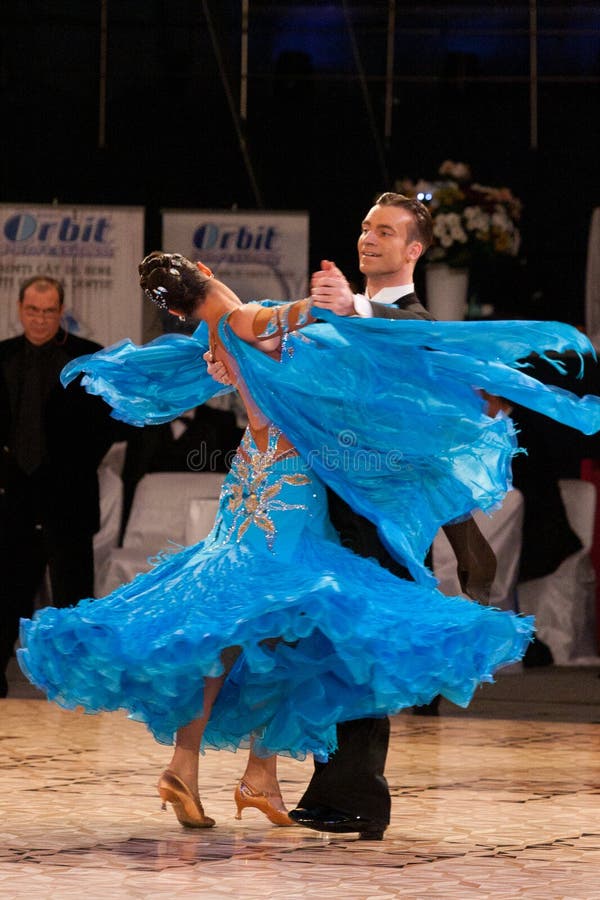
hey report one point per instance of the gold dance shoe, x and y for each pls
(245, 795)
(186, 807)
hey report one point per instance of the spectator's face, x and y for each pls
(384, 251)
(39, 312)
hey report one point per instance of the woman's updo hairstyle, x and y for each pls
(172, 282)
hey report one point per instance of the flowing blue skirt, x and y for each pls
(324, 636)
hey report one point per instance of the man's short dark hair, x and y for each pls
(422, 228)
(43, 279)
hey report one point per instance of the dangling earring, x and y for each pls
(181, 318)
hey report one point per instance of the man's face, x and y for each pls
(384, 251)
(39, 312)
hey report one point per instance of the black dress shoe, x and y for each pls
(428, 709)
(324, 818)
(315, 813)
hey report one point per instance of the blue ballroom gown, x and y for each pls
(386, 416)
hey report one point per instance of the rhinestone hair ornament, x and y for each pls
(158, 294)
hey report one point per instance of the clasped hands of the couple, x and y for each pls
(329, 289)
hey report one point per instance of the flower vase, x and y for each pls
(447, 290)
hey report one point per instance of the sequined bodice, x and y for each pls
(268, 497)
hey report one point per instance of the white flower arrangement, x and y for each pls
(470, 220)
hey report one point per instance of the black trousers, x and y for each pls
(26, 549)
(352, 780)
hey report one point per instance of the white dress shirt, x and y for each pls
(387, 295)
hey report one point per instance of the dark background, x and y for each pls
(165, 134)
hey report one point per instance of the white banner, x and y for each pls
(259, 255)
(93, 250)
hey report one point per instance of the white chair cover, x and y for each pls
(564, 602)
(503, 531)
(106, 538)
(200, 519)
(162, 519)
(159, 511)
(115, 457)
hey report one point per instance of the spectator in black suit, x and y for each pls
(52, 441)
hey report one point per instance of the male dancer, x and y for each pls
(349, 793)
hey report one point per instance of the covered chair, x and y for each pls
(170, 509)
(502, 530)
(564, 602)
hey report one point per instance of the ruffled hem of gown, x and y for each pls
(354, 641)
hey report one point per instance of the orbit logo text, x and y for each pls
(238, 243)
(58, 235)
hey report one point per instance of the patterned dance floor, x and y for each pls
(482, 807)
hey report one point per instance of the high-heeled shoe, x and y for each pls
(189, 811)
(245, 795)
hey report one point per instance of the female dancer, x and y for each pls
(268, 633)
